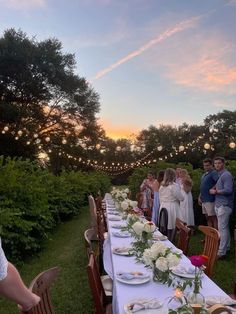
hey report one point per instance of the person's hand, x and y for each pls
(199, 201)
(213, 191)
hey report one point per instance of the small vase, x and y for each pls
(195, 298)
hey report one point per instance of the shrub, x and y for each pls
(33, 200)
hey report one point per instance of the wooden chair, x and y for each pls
(88, 238)
(233, 296)
(163, 221)
(93, 215)
(182, 235)
(218, 309)
(106, 280)
(212, 239)
(40, 286)
(98, 293)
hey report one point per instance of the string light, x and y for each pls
(232, 145)
(207, 146)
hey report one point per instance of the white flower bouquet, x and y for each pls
(143, 233)
(161, 259)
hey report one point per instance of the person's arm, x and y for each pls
(177, 192)
(13, 288)
(227, 181)
(143, 186)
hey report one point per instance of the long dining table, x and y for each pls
(124, 293)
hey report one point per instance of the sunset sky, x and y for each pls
(152, 61)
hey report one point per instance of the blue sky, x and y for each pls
(151, 61)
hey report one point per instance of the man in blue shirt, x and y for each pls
(205, 199)
(224, 198)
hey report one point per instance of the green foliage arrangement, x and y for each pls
(33, 201)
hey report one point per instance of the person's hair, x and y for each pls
(184, 171)
(207, 161)
(169, 177)
(219, 158)
(160, 176)
(151, 173)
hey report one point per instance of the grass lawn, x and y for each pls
(65, 248)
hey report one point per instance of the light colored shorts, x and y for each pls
(208, 209)
(3, 263)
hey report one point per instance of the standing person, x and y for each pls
(170, 196)
(147, 190)
(178, 179)
(224, 198)
(186, 205)
(12, 286)
(205, 199)
(156, 202)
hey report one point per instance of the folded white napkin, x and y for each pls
(184, 269)
(123, 249)
(132, 275)
(114, 218)
(142, 305)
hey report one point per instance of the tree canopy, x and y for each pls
(41, 96)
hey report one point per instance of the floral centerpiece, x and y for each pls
(142, 233)
(161, 259)
(195, 297)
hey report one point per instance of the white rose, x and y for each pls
(158, 248)
(149, 227)
(126, 190)
(147, 257)
(124, 195)
(138, 227)
(173, 260)
(162, 264)
(124, 205)
(133, 204)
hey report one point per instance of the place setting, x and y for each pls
(115, 218)
(144, 306)
(184, 271)
(117, 226)
(133, 277)
(121, 234)
(123, 250)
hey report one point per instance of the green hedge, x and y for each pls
(33, 201)
(140, 173)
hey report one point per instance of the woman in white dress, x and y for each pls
(12, 286)
(170, 196)
(186, 205)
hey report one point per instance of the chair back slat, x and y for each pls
(182, 236)
(96, 286)
(40, 286)
(212, 240)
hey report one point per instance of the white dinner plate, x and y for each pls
(215, 299)
(120, 234)
(114, 218)
(135, 281)
(159, 310)
(125, 252)
(117, 226)
(184, 275)
(160, 238)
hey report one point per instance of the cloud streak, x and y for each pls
(165, 35)
(23, 4)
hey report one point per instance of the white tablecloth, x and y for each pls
(123, 293)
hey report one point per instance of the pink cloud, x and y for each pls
(206, 74)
